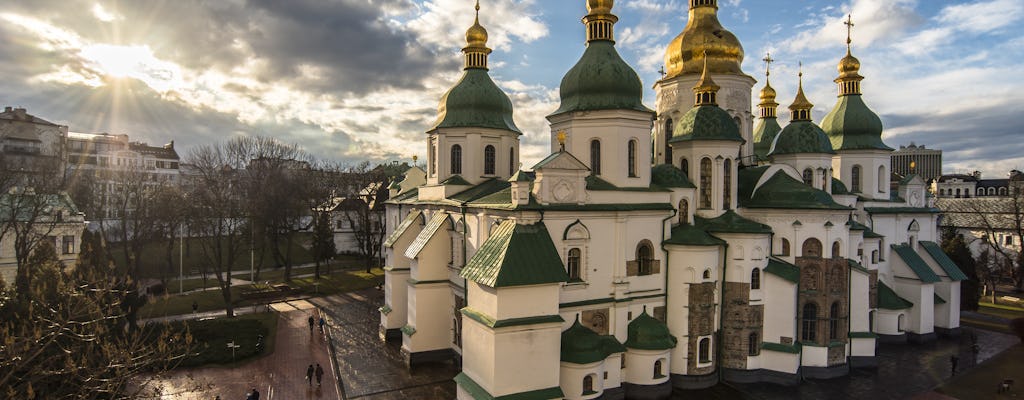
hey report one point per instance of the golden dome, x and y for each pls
(703, 34)
(768, 93)
(600, 6)
(849, 66)
(476, 36)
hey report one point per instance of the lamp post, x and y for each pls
(181, 258)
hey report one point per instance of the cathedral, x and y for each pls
(658, 251)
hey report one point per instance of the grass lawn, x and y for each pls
(1001, 310)
(982, 381)
(276, 274)
(210, 338)
(154, 257)
(188, 285)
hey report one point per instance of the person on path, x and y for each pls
(255, 394)
(195, 308)
(322, 322)
(311, 323)
(309, 375)
(953, 360)
(319, 374)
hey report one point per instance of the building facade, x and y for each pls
(599, 274)
(967, 186)
(917, 160)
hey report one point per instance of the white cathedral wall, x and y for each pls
(814, 356)
(687, 265)
(948, 315)
(529, 358)
(640, 366)
(395, 297)
(920, 317)
(870, 161)
(859, 301)
(779, 320)
(614, 129)
(429, 313)
(820, 164)
(478, 353)
(571, 379)
(515, 301)
(432, 261)
(674, 97)
(887, 321)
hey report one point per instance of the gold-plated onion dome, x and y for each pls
(768, 92)
(703, 35)
(768, 105)
(476, 36)
(600, 6)
(849, 66)
(706, 88)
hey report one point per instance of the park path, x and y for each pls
(278, 376)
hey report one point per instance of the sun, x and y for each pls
(135, 62)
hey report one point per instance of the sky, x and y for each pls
(352, 80)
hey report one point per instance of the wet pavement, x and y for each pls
(371, 369)
(280, 375)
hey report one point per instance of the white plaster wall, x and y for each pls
(614, 128)
(886, 321)
(571, 379)
(783, 362)
(717, 152)
(948, 315)
(821, 164)
(525, 301)
(675, 97)
(529, 358)
(859, 301)
(815, 356)
(869, 160)
(429, 312)
(432, 262)
(640, 366)
(862, 347)
(478, 353)
(686, 265)
(396, 296)
(780, 310)
(921, 317)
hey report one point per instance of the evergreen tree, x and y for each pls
(954, 246)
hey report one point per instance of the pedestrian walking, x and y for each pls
(319, 374)
(309, 375)
(322, 322)
(311, 323)
(953, 360)
(195, 307)
(255, 394)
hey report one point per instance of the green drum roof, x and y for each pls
(601, 80)
(516, 255)
(706, 122)
(670, 176)
(731, 222)
(801, 137)
(764, 134)
(580, 345)
(475, 102)
(782, 191)
(689, 235)
(647, 333)
(851, 125)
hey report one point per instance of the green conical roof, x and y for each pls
(764, 134)
(475, 102)
(601, 80)
(647, 333)
(801, 137)
(851, 125)
(580, 345)
(706, 122)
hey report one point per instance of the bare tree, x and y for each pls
(364, 210)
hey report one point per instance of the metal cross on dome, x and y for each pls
(849, 29)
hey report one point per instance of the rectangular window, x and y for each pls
(69, 244)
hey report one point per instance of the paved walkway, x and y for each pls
(280, 375)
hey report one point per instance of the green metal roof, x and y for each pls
(854, 265)
(838, 187)
(670, 176)
(401, 228)
(595, 182)
(868, 233)
(516, 255)
(706, 122)
(439, 219)
(521, 176)
(947, 264)
(456, 180)
(647, 333)
(782, 191)
(475, 102)
(571, 159)
(485, 188)
(851, 125)
(782, 348)
(939, 300)
(914, 261)
(889, 300)
(410, 195)
(479, 393)
(764, 134)
(783, 270)
(801, 137)
(601, 80)
(580, 345)
(689, 235)
(731, 222)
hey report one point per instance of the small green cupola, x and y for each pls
(475, 101)
(706, 121)
(768, 126)
(801, 135)
(601, 79)
(647, 333)
(580, 345)
(851, 125)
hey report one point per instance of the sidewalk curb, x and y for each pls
(334, 358)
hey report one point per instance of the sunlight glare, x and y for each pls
(137, 62)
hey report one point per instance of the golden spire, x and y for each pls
(768, 105)
(600, 21)
(849, 66)
(706, 88)
(801, 107)
(476, 49)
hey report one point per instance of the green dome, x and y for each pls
(475, 102)
(601, 80)
(801, 137)
(580, 345)
(706, 122)
(647, 333)
(764, 134)
(782, 191)
(851, 125)
(670, 176)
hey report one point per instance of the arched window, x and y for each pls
(489, 160)
(1002, 191)
(456, 159)
(811, 248)
(809, 327)
(511, 161)
(588, 384)
(704, 350)
(785, 247)
(808, 177)
(685, 166)
(900, 321)
(684, 211)
(631, 158)
(668, 136)
(753, 346)
(755, 279)
(833, 321)
(595, 157)
(855, 180)
(835, 250)
(644, 258)
(874, 256)
(433, 159)
(705, 183)
(981, 191)
(707, 274)
(727, 185)
(657, 370)
(573, 264)
(883, 179)
(957, 192)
